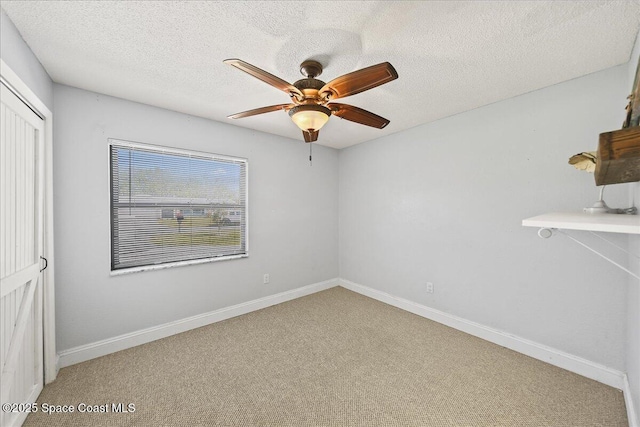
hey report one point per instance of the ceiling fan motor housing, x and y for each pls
(309, 88)
(309, 84)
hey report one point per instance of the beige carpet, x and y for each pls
(334, 358)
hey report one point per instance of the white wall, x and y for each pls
(292, 215)
(633, 317)
(443, 202)
(16, 54)
(633, 298)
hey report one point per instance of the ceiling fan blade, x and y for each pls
(358, 115)
(266, 77)
(359, 81)
(310, 136)
(262, 111)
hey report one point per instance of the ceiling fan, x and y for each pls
(311, 108)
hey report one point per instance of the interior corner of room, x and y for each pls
(421, 208)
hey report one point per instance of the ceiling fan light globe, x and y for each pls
(310, 117)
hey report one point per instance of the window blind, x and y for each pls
(170, 206)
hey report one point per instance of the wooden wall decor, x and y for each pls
(619, 151)
(618, 156)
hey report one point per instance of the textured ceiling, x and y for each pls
(451, 56)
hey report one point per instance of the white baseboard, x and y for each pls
(122, 342)
(578, 365)
(632, 413)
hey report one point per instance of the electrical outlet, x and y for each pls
(429, 287)
(265, 279)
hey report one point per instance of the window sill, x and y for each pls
(174, 264)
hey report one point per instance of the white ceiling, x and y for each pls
(450, 56)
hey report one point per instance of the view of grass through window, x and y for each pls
(170, 205)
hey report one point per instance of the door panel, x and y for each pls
(21, 243)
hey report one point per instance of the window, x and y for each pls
(170, 206)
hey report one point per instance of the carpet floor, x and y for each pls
(334, 358)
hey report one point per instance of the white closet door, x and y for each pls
(21, 245)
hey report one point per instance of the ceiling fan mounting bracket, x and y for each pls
(296, 97)
(310, 68)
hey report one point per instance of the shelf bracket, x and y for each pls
(546, 233)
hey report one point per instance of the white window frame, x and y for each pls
(178, 151)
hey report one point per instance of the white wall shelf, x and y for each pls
(609, 223)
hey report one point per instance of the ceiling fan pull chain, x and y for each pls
(310, 162)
